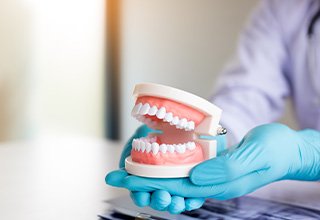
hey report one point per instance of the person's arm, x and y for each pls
(252, 89)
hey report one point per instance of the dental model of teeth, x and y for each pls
(140, 110)
(147, 145)
(183, 118)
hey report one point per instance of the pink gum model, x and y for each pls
(182, 117)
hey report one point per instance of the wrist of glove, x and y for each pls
(309, 151)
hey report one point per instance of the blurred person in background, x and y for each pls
(278, 56)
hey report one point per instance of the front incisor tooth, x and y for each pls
(148, 147)
(138, 145)
(144, 109)
(161, 113)
(136, 109)
(153, 110)
(163, 148)
(134, 143)
(168, 117)
(142, 146)
(155, 148)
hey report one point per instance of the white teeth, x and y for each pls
(134, 143)
(170, 148)
(138, 146)
(176, 147)
(144, 109)
(175, 120)
(190, 125)
(163, 148)
(139, 110)
(136, 109)
(180, 148)
(191, 145)
(153, 110)
(168, 117)
(182, 123)
(148, 147)
(161, 113)
(142, 146)
(155, 148)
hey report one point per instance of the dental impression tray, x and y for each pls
(182, 118)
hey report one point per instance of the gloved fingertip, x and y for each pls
(143, 131)
(194, 203)
(160, 199)
(177, 205)
(115, 178)
(141, 199)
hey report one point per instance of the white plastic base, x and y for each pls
(157, 171)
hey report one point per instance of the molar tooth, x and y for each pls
(191, 125)
(191, 145)
(161, 113)
(175, 120)
(144, 109)
(163, 148)
(155, 148)
(148, 147)
(183, 122)
(168, 117)
(136, 109)
(153, 110)
(180, 148)
(170, 148)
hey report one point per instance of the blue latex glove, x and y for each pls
(266, 154)
(158, 199)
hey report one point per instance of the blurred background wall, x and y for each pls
(54, 60)
(51, 68)
(181, 43)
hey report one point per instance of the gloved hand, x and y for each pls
(266, 154)
(157, 199)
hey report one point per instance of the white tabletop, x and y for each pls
(56, 178)
(63, 178)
